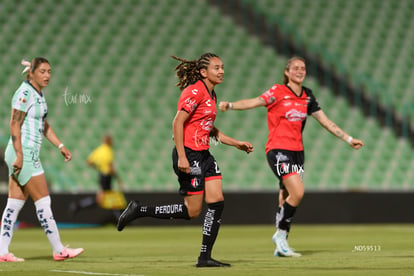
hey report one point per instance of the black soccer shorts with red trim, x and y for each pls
(284, 163)
(203, 167)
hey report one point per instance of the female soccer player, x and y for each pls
(28, 124)
(287, 108)
(197, 170)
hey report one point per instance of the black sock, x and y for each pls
(168, 211)
(212, 222)
(284, 216)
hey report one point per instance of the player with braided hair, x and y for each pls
(197, 170)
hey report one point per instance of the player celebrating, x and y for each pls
(287, 108)
(197, 170)
(28, 124)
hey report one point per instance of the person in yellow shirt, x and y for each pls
(102, 159)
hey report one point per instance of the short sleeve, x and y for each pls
(92, 157)
(270, 95)
(21, 100)
(189, 100)
(313, 104)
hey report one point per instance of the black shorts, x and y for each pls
(203, 167)
(105, 181)
(285, 163)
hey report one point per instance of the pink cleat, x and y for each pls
(9, 257)
(67, 253)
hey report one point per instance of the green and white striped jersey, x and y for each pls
(29, 100)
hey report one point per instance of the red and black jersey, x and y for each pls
(196, 100)
(286, 116)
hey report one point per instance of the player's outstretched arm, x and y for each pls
(335, 130)
(242, 104)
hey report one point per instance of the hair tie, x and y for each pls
(27, 65)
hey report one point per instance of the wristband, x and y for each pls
(349, 140)
(230, 105)
(61, 145)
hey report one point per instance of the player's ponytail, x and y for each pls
(188, 71)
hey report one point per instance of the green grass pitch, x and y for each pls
(172, 250)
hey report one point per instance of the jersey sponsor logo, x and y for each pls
(208, 102)
(194, 91)
(295, 115)
(169, 209)
(207, 124)
(44, 222)
(303, 102)
(208, 222)
(7, 223)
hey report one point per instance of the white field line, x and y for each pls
(92, 273)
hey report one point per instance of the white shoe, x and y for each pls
(282, 246)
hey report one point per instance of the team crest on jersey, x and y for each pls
(191, 104)
(270, 95)
(194, 182)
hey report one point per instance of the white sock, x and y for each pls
(8, 220)
(45, 217)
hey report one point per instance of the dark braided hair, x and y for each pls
(188, 71)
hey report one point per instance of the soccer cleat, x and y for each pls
(282, 246)
(210, 263)
(67, 253)
(9, 257)
(129, 214)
